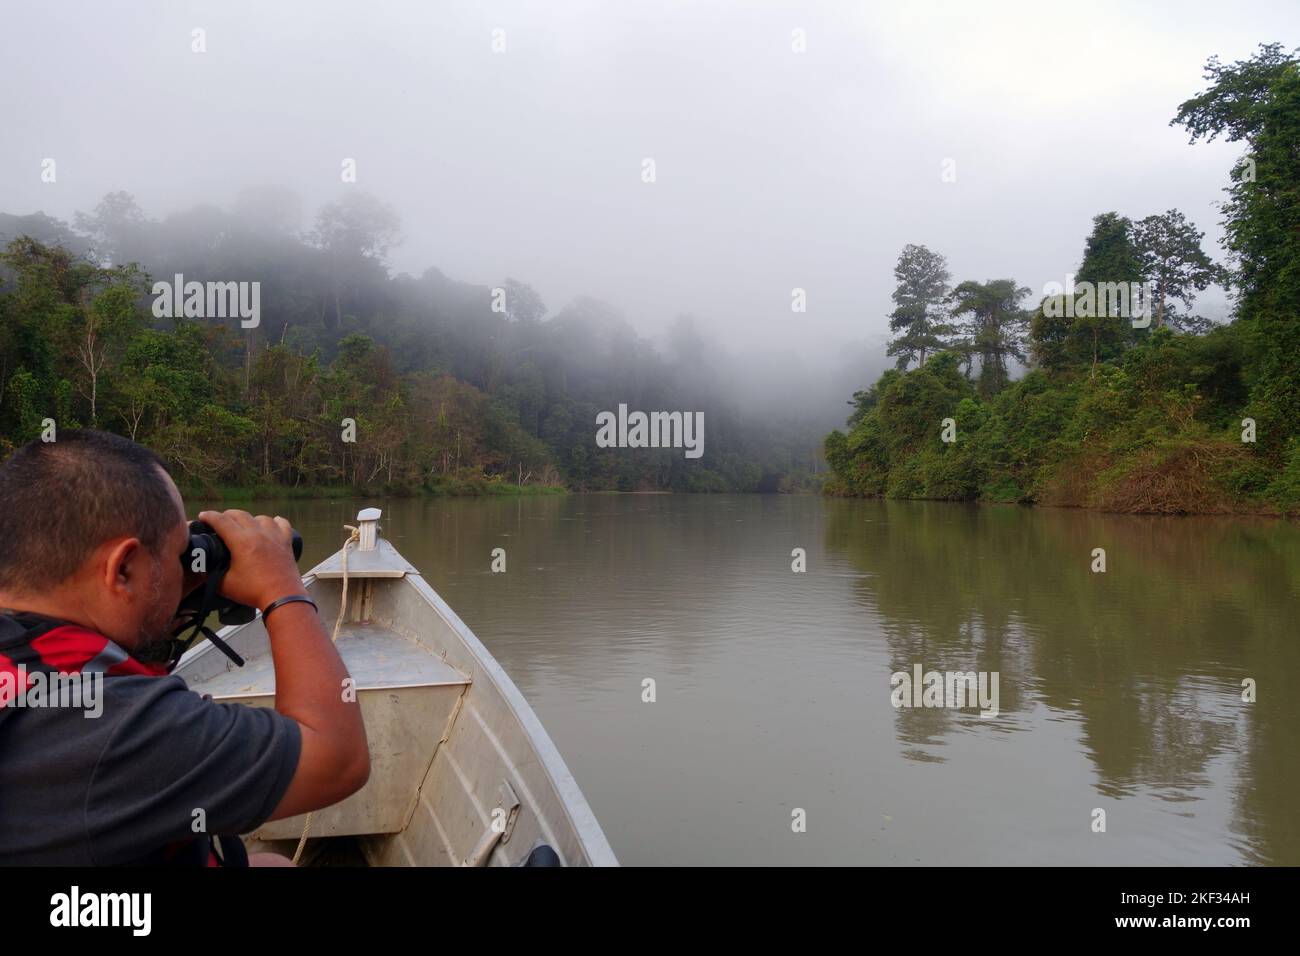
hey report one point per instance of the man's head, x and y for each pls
(91, 531)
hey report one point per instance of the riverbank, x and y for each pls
(1166, 429)
(1204, 476)
(450, 488)
(1240, 509)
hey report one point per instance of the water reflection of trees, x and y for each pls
(1148, 657)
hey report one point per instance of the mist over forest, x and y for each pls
(445, 378)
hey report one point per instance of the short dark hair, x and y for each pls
(60, 500)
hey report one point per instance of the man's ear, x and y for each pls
(124, 564)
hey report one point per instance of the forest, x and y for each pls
(1164, 413)
(355, 379)
(352, 379)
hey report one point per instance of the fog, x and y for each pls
(774, 169)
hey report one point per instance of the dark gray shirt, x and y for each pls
(125, 787)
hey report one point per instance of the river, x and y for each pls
(773, 737)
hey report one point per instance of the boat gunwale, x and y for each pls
(575, 805)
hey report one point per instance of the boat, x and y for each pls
(462, 771)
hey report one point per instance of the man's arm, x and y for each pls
(309, 675)
(334, 760)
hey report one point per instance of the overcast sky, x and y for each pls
(774, 169)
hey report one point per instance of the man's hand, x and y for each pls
(262, 567)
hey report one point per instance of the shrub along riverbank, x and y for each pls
(1159, 431)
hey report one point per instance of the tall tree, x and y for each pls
(995, 330)
(919, 316)
(355, 235)
(523, 304)
(117, 229)
(1173, 262)
(100, 330)
(1110, 260)
(1257, 101)
(1110, 254)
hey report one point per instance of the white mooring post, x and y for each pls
(367, 527)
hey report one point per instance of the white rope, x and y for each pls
(338, 622)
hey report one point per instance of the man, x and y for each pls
(92, 533)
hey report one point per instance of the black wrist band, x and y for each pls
(288, 600)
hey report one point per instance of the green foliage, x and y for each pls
(1111, 416)
(919, 316)
(1284, 490)
(1092, 330)
(1169, 248)
(1155, 427)
(995, 330)
(1155, 430)
(444, 393)
(1257, 102)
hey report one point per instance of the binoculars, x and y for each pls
(207, 553)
